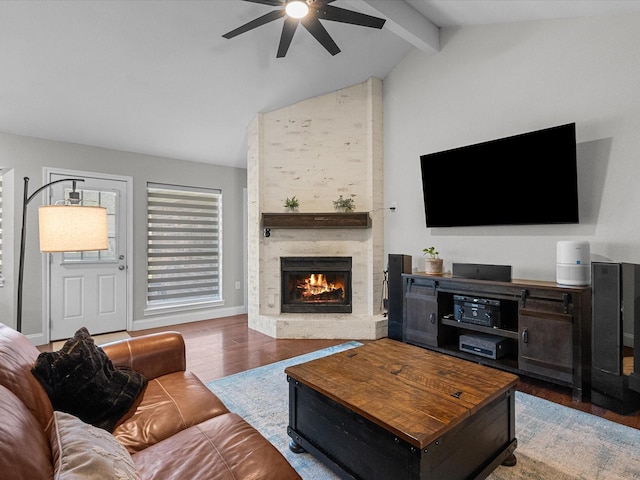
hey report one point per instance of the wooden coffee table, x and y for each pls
(389, 410)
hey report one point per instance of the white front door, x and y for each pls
(89, 289)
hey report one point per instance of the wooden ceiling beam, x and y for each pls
(405, 21)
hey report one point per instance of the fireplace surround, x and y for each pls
(315, 284)
(317, 149)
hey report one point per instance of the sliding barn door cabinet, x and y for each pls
(534, 328)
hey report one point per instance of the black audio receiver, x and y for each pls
(479, 311)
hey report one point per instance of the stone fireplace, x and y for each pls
(317, 150)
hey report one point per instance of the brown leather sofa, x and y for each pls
(178, 429)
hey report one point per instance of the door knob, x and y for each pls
(121, 267)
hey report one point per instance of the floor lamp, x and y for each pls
(70, 227)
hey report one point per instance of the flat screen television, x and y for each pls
(526, 179)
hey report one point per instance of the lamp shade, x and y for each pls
(72, 228)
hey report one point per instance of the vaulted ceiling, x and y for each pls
(157, 77)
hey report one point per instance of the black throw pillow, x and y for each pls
(80, 379)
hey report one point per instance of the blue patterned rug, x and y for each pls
(554, 442)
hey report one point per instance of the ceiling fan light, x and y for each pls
(297, 9)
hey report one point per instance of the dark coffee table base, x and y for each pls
(355, 448)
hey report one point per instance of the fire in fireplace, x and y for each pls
(316, 284)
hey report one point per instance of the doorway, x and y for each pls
(91, 289)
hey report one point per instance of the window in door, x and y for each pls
(184, 251)
(96, 198)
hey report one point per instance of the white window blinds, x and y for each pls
(184, 245)
(1, 243)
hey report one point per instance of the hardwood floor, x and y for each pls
(221, 347)
(224, 346)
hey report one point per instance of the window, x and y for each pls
(183, 246)
(94, 198)
(1, 245)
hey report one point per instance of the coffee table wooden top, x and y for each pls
(416, 394)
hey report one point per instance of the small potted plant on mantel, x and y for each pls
(432, 264)
(291, 204)
(342, 204)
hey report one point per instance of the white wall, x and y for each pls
(27, 156)
(495, 81)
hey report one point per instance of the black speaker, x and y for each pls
(398, 264)
(615, 295)
(480, 271)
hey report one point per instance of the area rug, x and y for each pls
(554, 442)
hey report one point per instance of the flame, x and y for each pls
(316, 284)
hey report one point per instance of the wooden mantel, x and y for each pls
(316, 220)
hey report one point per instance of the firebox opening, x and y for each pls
(316, 287)
(316, 284)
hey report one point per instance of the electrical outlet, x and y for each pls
(393, 207)
(237, 285)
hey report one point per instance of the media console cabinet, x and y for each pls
(544, 329)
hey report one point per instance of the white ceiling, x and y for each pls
(156, 76)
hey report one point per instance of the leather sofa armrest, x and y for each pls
(153, 355)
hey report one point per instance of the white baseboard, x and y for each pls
(159, 321)
(627, 340)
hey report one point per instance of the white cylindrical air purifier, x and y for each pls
(573, 263)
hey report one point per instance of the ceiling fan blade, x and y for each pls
(272, 3)
(316, 29)
(269, 17)
(288, 29)
(337, 14)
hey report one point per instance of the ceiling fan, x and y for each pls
(308, 13)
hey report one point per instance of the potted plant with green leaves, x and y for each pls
(292, 204)
(432, 263)
(342, 204)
